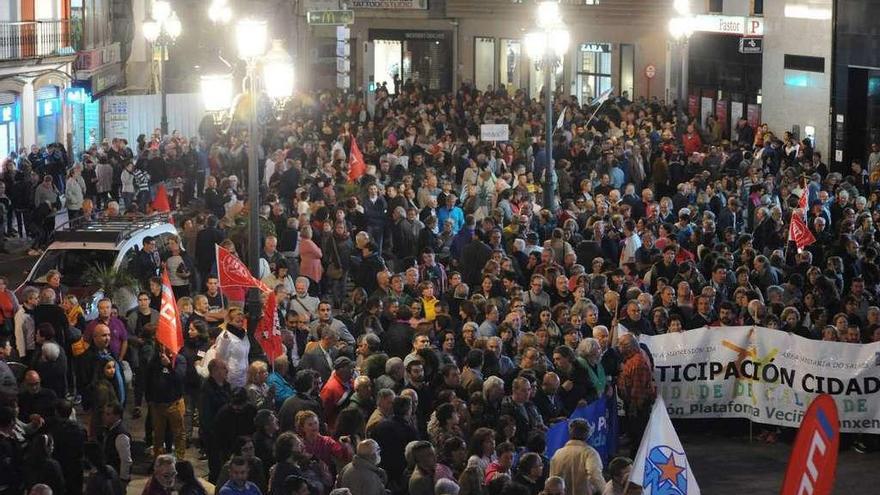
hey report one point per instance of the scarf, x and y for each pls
(73, 315)
(597, 377)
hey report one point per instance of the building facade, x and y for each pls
(57, 58)
(445, 43)
(37, 51)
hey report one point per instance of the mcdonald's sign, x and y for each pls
(330, 17)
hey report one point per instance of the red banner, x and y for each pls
(721, 114)
(235, 277)
(268, 330)
(233, 273)
(356, 165)
(753, 115)
(693, 105)
(798, 231)
(813, 458)
(169, 331)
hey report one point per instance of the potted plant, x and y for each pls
(119, 285)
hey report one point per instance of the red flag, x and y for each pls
(161, 202)
(798, 231)
(813, 460)
(356, 165)
(233, 273)
(169, 331)
(802, 202)
(268, 331)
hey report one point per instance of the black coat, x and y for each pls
(206, 240)
(54, 315)
(473, 259)
(393, 434)
(293, 405)
(70, 439)
(365, 275)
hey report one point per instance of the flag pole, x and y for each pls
(587, 125)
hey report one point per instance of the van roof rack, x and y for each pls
(106, 229)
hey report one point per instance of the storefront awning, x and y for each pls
(102, 81)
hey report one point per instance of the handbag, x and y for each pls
(334, 269)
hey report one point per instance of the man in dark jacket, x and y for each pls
(166, 377)
(235, 419)
(49, 312)
(473, 258)
(70, 439)
(307, 384)
(147, 262)
(375, 215)
(393, 434)
(371, 264)
(206, 240)
(216, 393)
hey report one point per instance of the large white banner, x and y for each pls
(766, 375)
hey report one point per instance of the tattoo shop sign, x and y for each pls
(768, 376)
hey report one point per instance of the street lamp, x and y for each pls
(681, 28)
(219, 12)
(547, 47)
(273, 72)
(161, 31)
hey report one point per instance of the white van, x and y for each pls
(78, 246)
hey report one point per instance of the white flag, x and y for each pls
(661, 466)
(603, 97)
(561, 120)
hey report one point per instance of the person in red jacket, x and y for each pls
(337, 390)
(692, 142)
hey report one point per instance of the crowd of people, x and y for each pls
(437, 314)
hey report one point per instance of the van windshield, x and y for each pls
(72, 263)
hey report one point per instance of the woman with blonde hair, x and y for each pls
(260, 393)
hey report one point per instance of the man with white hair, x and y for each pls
(363, 476)
(301, 301)
(446, 486)
(610, 357)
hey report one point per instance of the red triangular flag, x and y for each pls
(169, 331)
(356, 165)
(268, 332)
(802, 202)
(161, 202)
(798, 231)
(232, 272)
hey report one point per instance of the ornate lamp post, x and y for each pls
(681, 28)
(269, 72)
(547, 47)
(161, 31)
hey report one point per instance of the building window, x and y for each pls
(716, 6)
(8, 124)
(758, 7)
(627, 69)
(593, 70)
(484, 63)
(510, 65)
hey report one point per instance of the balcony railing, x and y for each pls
(38, 39)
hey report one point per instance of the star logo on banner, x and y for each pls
(666, 471)
(669, 470)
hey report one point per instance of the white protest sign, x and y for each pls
(494, 132)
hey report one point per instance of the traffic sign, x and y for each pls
(650, 71)
(751, 45)
(330, 17)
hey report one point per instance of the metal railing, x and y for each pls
(36, 39)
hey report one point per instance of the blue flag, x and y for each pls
(601, 415)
